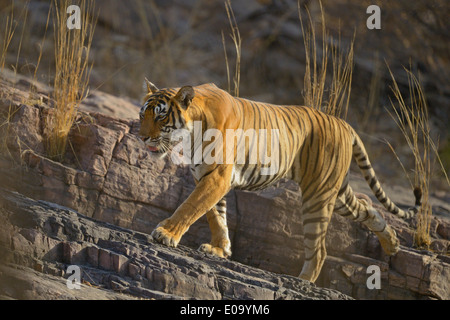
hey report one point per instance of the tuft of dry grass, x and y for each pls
(315, 79)
(72, 74)
(411, 116)
(341, 84)
(237, 41)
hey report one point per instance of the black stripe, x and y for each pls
(313, 236)
(343, 189)
(318, 143)
(315, 220)
(290, 135)
(214, 93)
(372, 182)
(366, 218)
(379, 193)
(348, 213)
(320, 204)
(314, 146)
(307, 147)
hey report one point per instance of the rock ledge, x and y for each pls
(40, 240)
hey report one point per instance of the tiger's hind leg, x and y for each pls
(315, 224)
(349, 206)
(220, 242)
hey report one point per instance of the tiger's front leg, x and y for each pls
(209, 190)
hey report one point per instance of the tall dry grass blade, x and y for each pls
(41, 45)
(413, 120)
(237, 41)
(401, 163)
(227, 65)
(73, 69)
(7, 36)
(24, 11)
(341, 85)
(7, 133)
(315, 80)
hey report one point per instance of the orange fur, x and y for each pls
(315, 150)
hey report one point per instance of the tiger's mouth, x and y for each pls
(154, 149)
(159, 146)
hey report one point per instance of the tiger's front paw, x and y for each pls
(216, 251)
(165, 237)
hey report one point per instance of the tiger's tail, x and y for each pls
(362, 159)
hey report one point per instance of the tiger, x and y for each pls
(315, 151)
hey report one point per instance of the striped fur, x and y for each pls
(315, 150)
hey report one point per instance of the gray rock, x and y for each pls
(40, 240)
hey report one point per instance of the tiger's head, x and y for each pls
(163, 112)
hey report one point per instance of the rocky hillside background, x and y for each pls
(179, 42)
(108, 177)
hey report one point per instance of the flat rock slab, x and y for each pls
(39, 240)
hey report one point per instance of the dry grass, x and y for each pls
(341, 84)
(412, 118)
(315, 79)
(10, 27)
(41, 46)
(72, 74)
(237, 41)
(7, 35)
(6, 38)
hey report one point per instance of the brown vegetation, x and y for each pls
(72, 49)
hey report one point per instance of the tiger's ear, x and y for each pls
(184, 96)
(151, 88)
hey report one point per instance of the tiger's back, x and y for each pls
(307, 140)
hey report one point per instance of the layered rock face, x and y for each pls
(41, 243)
(109, 176)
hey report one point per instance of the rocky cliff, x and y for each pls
(118, 193)
(41, 240)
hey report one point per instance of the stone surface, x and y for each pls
(40, 240)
